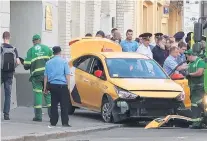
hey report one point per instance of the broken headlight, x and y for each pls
(124, 93)
(181, 96)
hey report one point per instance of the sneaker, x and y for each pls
(36, 119)
(66, 125)
(6, 117)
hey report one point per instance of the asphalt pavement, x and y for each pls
(87, 126)
(22, 128)
(140, 134)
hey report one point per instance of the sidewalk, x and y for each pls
(22, 128)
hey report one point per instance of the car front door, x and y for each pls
(96, 85)
(79, 87)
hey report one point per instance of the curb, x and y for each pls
(56, 135)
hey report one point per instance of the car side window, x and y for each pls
(97, 65)
(82, 63)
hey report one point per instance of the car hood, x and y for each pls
(146, 84)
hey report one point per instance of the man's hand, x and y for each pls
(45, 91)
(18, 61)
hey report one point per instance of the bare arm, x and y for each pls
(45, 84)
(68, 79)
(199, 72)
(183, 67)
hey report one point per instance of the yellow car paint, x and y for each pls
(88, 84)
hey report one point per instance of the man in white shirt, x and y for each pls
(144, 48)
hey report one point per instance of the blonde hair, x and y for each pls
(173, 48)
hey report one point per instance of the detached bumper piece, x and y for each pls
(146, 108)
(157, 123)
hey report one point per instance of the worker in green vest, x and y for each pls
(36, 59)
(196, 83)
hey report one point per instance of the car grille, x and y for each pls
(153, 107)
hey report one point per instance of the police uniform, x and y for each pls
(179, 36)
(37, 56)
(142, 48)
(157, 35)
(56, 71)
(159, 54)
(196, 89)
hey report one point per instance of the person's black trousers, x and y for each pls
(59, 94)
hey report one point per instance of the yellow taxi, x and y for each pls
(120, 85)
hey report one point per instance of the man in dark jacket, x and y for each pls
(159, 52)
(7, 75)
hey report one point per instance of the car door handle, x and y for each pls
(85, 80)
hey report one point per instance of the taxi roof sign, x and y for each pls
(104, 49)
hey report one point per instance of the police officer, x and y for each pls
(58, 75)
(196, 83)
(157, 35)
(145, 47)
(37, 56)
(178, 37)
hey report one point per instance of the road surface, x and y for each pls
(141, 134)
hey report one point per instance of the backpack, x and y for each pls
(8, 59)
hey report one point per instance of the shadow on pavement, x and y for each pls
(89, 115)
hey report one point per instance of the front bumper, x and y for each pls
(144, 108)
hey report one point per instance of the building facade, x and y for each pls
(59, 21)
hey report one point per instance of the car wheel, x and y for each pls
(71, 110)
(106, 111)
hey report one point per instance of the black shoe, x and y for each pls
(6, 117)
(36, 119)
(66, 125)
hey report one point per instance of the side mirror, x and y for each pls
(98, 73)
(176, 76)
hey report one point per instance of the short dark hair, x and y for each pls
(182, 44)
(88, 35)
(100, 32)
(6, 35)
(56, 50)
(129, 30)
(114, 29)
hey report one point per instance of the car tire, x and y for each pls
(71, 110)
(106, 106)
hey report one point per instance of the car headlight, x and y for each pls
(125, 94)
(181, 96)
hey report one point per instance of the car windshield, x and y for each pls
(134, 68)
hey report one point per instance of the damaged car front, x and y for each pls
(143, 89)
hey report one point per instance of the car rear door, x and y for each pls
(79, 87)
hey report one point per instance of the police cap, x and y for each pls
(146, 36)
(157, 35)
(179, 35)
